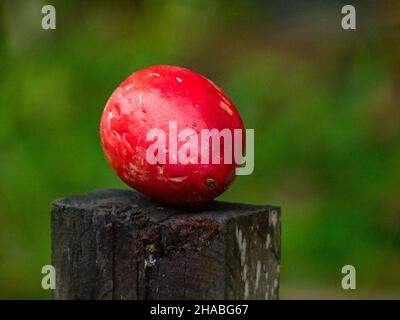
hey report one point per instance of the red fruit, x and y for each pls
(152, 98)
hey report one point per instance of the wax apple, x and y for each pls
(154, 134)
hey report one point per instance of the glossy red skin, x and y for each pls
(150, 98)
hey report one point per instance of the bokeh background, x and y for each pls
(324, 103)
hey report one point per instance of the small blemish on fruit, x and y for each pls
(111, 115)
(224, 106)
(221, 95)
(176, 182)
(211, 183)
(178, 79)
(178, 179)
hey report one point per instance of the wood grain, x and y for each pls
(118, 244)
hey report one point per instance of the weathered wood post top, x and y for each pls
(118, 244)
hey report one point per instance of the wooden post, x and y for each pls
(117, 244)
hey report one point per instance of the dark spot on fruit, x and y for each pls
(210, 183)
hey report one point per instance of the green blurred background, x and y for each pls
(324, 104)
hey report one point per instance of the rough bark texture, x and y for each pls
(117, 244)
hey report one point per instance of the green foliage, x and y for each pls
(326, 119)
